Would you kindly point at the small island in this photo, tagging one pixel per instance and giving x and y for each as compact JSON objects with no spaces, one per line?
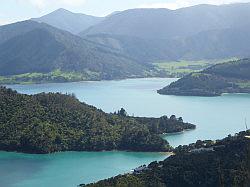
{"x":204,"y":163}
{"x":53,"y":122}
{"x":230,"y":77}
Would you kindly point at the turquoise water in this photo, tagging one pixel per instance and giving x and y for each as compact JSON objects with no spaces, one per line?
{"x":67,"y":169}
{"x":215,"y":118}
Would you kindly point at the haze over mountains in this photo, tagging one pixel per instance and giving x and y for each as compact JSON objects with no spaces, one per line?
{"x":193,"y":33}
{"x":171,"y":24}
{"x":124,"y":44}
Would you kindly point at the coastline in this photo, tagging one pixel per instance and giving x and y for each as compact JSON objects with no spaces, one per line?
{"x":83,"y":81}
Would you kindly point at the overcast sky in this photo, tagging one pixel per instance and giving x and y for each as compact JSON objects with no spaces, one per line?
{"x":16,"y":10}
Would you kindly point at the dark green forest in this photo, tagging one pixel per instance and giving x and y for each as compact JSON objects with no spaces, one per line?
{"x":46,"y":123}
{"x":229,"y":77}
{"x":206,"y":163}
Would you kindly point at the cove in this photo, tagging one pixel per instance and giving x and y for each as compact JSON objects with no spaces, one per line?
{"x":69,"y":168}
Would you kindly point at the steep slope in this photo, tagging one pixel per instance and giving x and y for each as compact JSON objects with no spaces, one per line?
{"x":215,"y":44}
{"x":145,"y":50}
{"x":46,"y":123}
{"x":230,"y":77}
{"x":169,"y":24}
{"x":211,"y":44}
{"x":224,"y":163}
{"x":40,"y":48}
{"x":12,"y":30}
{"x":69,"y":21}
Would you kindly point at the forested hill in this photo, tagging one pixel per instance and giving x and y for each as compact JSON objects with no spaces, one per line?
{"x":230,"y":77}
{"x":33,"y":52}
{"x":46,"y":123}
{"x":206,"y":163}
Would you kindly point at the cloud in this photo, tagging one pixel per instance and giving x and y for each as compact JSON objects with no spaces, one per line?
{"x":175,"y":4}
{"x":42,"y":4}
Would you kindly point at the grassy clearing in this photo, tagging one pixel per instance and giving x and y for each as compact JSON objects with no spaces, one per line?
{"x":55,"y":76}
{"x":182,"y":68}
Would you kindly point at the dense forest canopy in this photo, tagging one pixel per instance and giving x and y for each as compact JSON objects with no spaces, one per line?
{"x":46,"y":123}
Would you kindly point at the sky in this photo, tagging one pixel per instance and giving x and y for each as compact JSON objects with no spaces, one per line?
{"x":17,"y":10}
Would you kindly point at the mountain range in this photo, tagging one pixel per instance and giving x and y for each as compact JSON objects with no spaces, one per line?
{"x":193,"y":33}
{"x":171,"y":24}
{"x":121,"y":45}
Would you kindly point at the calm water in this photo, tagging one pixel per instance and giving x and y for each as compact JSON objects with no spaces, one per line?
{"x":67,"y":169}
{"x":215,"y":118}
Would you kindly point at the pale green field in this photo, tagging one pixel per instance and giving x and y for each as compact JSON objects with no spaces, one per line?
{"x":182,"y":68}
{"x":55,"y":76}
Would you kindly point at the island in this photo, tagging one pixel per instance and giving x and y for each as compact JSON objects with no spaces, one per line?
{"x":53,"y":122}
{"x":223,"y":162}
{"x":229,"y":77}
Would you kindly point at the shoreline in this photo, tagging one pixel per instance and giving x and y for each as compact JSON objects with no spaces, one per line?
{"x":104,"y":151}
{"x":86,"y":81}
{"x":62,"y":152}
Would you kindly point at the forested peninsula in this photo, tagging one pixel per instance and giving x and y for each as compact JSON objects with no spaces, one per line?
{"x":223,"y":162}
{"x":52,"y":122}
{"x":229,"y":77}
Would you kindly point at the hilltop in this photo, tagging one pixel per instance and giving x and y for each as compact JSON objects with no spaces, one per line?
{"x":69,"y":21}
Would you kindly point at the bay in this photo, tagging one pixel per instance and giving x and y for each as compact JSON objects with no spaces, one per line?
{"x":215,"y":118}
{"x":69,"y":168}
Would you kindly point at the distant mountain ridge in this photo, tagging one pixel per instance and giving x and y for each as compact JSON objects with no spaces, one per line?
{"x":192,"y":33}
{"x":172,"y":24}
{"x":69,"y":21}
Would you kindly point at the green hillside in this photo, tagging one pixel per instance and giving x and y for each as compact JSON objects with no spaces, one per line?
{"x":46,"y":123}
{"x":230,"y":77}
{"x":30,"y":47}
